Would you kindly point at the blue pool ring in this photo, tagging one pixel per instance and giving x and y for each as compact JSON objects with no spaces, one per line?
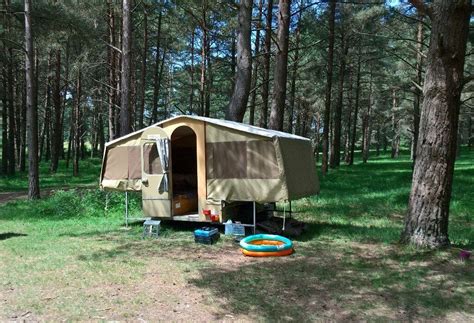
{"x":246,"y":243}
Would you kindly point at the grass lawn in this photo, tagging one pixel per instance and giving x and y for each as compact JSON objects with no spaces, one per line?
{"x":69,"y":257}
{"x":89,"y":170}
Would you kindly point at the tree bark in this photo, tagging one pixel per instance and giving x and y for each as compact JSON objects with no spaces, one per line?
{"x":347,"y":139}
{"x":204,"y":41}
{"x":112,"y":63}
{"x":395,"y":127}
{"x":294,"y":74}
{"x":243,"y":74}
{"x":426,"y":223}
{"x":366,"y":124}
{"x":191,"y":92}
{"x":141,"y":111}
{"x":76,"y":143}
{"x":125,"y":121}
{"x":418,"y":80}
{"x":266,"y":66}
{"x":5,"y":123}
{"x":256,"y":64}
{"x":335,"y":157}
{"x":31,"y":109}
{"x":56,"y":142}
{"x":327,"y":102}
{"x":281,"y":67}
{"x":157,"y":72}
{"x":45,"y":133}
{"x":356,"y":110}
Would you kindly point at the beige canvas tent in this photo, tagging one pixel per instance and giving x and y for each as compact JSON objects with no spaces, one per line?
{"x":187,"y":166}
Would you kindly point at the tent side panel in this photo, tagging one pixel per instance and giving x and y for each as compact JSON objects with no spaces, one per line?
{"x":299,"y":167}
{"x":232,"y":189}
{"x":242,"y":167}
{"x":121,"y":167}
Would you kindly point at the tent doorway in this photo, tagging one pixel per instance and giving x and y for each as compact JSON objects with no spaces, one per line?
{"x":184,"y":172}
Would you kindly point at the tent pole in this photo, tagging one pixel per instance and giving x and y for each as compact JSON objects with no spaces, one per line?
{"x":254,"y":217}
{"x":126,"y":209}
{"x":291,"y":210}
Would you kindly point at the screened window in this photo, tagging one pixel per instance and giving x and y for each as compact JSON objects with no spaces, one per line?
{"x":151,"y":159}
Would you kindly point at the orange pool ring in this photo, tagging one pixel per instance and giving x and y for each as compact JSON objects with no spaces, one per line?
{"x":267,"y":254}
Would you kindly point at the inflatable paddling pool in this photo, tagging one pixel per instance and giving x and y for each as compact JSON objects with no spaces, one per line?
{"x":266,"y":245}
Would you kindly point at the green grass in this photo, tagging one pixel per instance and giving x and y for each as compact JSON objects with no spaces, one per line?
{"x":70,"y":257}
{"x":89,"y":170}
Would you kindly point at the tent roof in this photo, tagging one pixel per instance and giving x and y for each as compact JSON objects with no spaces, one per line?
{"x":223,"y":123}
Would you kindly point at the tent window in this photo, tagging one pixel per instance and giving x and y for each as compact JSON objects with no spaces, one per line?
{"x":151,"y":159}
{"x":116,"y":166}
{"x":242,"y":159}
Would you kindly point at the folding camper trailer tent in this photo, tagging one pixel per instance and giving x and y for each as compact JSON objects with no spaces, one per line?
{"x":188,"y":167}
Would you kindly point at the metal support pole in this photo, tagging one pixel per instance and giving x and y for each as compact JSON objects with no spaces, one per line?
{"x":291,"y":210}
{"x":254,"y":217}
{"x":126,"y":209}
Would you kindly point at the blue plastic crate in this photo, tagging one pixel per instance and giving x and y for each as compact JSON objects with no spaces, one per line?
{"x":235,"y":229}
{"x":205,"y":232}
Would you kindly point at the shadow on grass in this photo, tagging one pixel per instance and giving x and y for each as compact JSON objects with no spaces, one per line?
{"x":331,"y":284}
{"x":8,"y":235}
{"x":350,"y":232}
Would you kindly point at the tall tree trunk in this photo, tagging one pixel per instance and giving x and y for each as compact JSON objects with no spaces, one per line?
{"x":65,"y":99}
{"x":426,"y":223}
{"x":56,"y":142}
{"x":141,"y":111}
{"x":266,"y":66}
{"x":125,"y":121}
{"x":5,"y":123}
{"x":366,"y":124}
{"x":191,"y":77}
{"x":112,"y":63}
{"x":418,"y":80}
{"x":356,"y":110}
{"x":45,"y":133}
{"x":233,"y":60}
{"x":210,"y":79}
{"x":294,"y":73}
{"x":327,"y":103}
{"x":281,"y":67}
{"x":70,"y":140}
{"x":304,"y":120}
{"x":317,"y":138}
{"x":12,"y":126}
{"x":395,"y":127}
{"x":22,"y":123}
{"x":204,"y":41}
{"x":335,"y":157}
{"x":157,"y":72}
{"x":118,"y":81}
{"x":31,"y":109}
{"x":256,"y":63}
{"x":347,"y":137}
{"x":243,"y":74}
{"x":11,"y":116}
{"x":76,"y":144}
